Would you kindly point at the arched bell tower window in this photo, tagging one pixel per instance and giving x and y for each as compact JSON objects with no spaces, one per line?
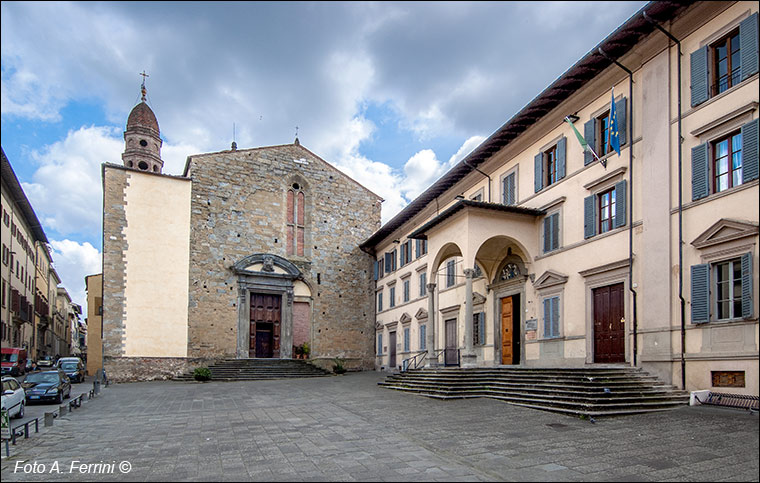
{"x":295,"y":220}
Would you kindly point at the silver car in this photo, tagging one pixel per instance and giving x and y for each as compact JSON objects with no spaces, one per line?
{"x":13,"y":398}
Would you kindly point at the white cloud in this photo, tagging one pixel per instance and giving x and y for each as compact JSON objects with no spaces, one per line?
{"x":73,"y":261}
{"x":66,"y":190}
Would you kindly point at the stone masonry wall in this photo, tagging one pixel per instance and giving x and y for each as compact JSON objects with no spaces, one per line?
{"x":114,"y":269}
{"x":239,"y":208}
{"x":132,"y":369}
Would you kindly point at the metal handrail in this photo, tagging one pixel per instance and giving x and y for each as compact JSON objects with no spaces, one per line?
{"x":412,"y":361}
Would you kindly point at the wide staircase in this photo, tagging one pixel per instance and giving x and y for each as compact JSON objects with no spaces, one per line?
{"x":583,"y":392}
{"x":259,"y":369}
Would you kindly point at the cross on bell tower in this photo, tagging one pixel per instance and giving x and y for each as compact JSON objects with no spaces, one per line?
{"x":143,"y":90}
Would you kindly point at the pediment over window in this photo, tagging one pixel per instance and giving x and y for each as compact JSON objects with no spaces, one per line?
{"x":378,"y":325}
{"x":550,"y":278}
{"x":421,"y":314}
{"x":405,"y":318}
{"x":478,"y":299}
{"x":392,"y":325}
{"x":266,"y":264}
{"x":725,"y":230}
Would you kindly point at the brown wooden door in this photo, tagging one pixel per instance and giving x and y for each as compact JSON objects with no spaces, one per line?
{"x":392,"y":350}
{"x":450,"y":356}
{"x":266,"y":316}
{"x":609,"y":324}
{"x":507,"y":331}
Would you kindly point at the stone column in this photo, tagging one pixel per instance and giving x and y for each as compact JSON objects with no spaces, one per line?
{"x":430,"y":360}
{"x":468,"y":355}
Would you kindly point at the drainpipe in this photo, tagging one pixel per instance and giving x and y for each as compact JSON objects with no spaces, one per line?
{"x":630,"y":205}
{"x":481,"y":172}
{"x":680,"y":206}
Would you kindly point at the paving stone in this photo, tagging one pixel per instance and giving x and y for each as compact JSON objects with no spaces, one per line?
{"x":352,"y":430}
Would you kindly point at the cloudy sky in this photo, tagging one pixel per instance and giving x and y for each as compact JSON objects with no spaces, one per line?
{"x":391,"y":93}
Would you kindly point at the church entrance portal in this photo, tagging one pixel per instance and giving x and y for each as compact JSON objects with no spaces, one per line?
{"x":266,"y":316}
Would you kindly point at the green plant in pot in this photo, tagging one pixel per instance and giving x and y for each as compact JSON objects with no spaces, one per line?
{"x":202,"y":374}
{"x":338,"y":367}
{"x":305,"y":350}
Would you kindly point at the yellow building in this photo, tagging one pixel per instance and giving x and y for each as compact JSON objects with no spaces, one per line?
{"x":536,"y":252}
{"x":94,"y":286}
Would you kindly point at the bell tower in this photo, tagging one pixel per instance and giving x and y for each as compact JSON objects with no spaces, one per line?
{"x":142,"y":140}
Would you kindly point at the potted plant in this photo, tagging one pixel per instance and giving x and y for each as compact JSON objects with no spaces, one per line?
{"x":202,"y":374}
{"x":297,"y":352}
{"x":305,"y":350}
{"x":338,"y":367}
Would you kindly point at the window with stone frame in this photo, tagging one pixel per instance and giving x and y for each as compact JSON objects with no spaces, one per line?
{"x":380,"y":301}
{"x":407,"y":290}
{"x":423,"y":284}
{"x":379,"y":344}
{"x":421,"y":247}
{"x":392,"y":297}
{"x":423,"y":335}
{"x":295,"y":220}
{"x":728,"y":289}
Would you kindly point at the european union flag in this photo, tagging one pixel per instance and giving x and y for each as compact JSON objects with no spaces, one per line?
{"x":614,"y":133}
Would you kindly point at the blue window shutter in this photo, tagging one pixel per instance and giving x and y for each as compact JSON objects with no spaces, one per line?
{"x":482,"y":328}
{"x":406,"y":340}
{"x":750,"y":139}
{"x":620,"y":201}
{"x":555,"y":316}
{"x":555,"y":231}
{"x":589,"y":133}
{"x":403,"y":256}
{"x":748,"y":45}
{"x":375,"y":267}
{"x":747,"y":302}
{"x":417,"y":248}
{"x":547,"y":317}
{"x":700,"y":82}
{"x":621,"y":117}
{"x":547,"y":234}
{"x":589,"y":216}
{"x":379,"y":344}
{"x":700,"y":293}
{"x":422,"y":337}
{"x":511,"y":193}
{"x":561,"y":156}
{"x":538,"y":163}
{"x":700,"y":176}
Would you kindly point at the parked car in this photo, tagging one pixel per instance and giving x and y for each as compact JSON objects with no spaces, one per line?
{"x":13,"y":361}
{"x":13,"y":398}
{"x":73,"y":368}
{"x":67,"y":359}
{"x":47,"y":386}
{"x":45,"y":362}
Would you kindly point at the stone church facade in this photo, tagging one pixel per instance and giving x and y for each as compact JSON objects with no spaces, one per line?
{"x":249,"y":253}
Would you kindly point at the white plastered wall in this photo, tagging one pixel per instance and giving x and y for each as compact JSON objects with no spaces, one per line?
{"x":157,"y":265}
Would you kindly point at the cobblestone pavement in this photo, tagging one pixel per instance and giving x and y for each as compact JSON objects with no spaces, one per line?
{"x":346,"y":428}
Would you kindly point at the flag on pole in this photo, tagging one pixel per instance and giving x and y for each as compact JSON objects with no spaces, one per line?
{"x":581,"y":140}
{"x":614,"y":133}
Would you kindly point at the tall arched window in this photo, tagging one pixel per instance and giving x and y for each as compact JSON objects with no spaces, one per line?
{"x":296,"y":201}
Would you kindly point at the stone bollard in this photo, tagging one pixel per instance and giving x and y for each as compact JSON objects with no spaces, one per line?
{"x":49,"y":418}
{"x":63,"y":409}
{"x":96,"y":386}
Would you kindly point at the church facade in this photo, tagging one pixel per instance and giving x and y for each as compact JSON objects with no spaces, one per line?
{"x":249,"y":253}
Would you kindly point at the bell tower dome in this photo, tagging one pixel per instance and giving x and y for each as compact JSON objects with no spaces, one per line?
{"x":142,"y":140}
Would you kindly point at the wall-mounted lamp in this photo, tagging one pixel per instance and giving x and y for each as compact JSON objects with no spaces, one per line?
{"x":572,"y":118}
{"x":396,"y":241}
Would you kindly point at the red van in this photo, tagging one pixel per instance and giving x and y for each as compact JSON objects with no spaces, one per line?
{"x":14,"y":361}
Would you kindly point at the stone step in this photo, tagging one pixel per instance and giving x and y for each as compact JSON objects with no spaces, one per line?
{"x":259,"y":369}
{"x":566,"y":390}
